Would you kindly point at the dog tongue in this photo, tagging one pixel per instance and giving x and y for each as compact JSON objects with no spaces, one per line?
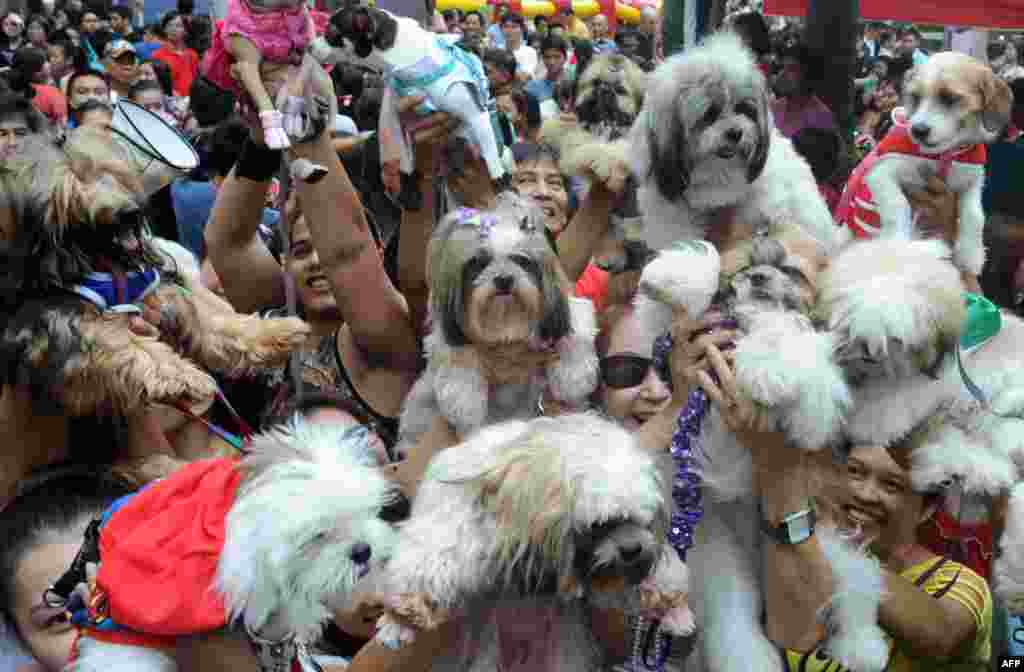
{"x":527,"y":638}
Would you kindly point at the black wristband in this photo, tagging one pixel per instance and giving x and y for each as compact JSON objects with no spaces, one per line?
{"x":257,"y":162}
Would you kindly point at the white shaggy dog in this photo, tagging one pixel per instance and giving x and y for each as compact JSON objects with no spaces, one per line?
{"x":787,"y":367}
{"x":955,"y":105}
{"x":518,"y":530}
{"x":302,"y":529}
{"x":705,"y":148}
{"x":899,"y":311}
{"x":504,"y":333}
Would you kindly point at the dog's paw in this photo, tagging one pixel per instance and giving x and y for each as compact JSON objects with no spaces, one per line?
{"x":865,"y":649}
{"x":179,"y":384}
{"x":275,"y":339}
{"x":683,"y":276}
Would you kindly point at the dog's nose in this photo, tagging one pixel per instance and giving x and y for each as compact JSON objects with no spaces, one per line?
{"x":360,"y":553}
{"x":734,"y":135}
{"x":920,"y":131}
{"x":503,"y":283}
{"x":630,"y":552}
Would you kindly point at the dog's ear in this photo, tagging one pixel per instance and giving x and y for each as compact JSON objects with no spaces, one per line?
{"x":557,"y":320}
{"x":997,"y":104}
{"x":670,"y":153}
{"x":386,"y":30}
{"x":765,"y":124}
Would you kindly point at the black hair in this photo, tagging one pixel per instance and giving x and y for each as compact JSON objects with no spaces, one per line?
{"x":55,"y":508}
{"x":821,"y":148}
{"x":186,"y":6}
{"x":27,"y":62}
{"x":209,"y":103}
{"x":512,"y":17}
{"x":14,"y":105}
{"x":554,"y":42}
{"x":910,"y":30}
{"x":167,"y":18}
{"x":540,"y":19}
{"x":450,"y":15}
{"x":812,"y":67}
{"x":225,"y":146}
{"x":122,"y":11}
{"x":42,"y":21}
{"x":142,"y":86}
{"x":78,"y":74}
{"x":501,"y":59}
{"x":163,"y":75}
{"x":473,"y":12}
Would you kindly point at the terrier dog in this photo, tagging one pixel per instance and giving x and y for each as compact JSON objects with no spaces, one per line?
{"x":79,"y":265}
{"x":504,"y":335}
{"x":955,"y":106}
{"x":705,"y":148}
{"x":786,"y":366}
{"x":517,"y":531}
{"x":285,"y":535}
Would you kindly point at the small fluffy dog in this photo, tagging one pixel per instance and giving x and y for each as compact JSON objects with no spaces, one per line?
{"x":519,"y":530}
{"x":504,"y":335}
{"x":898,"y":311}
{"x":787,"y":367}
{"x":955,"y":105}
{"x":609,"y":95}
{"x":416,"y":61}
{"x":286,"y":534}
{"x":705,"y":148}
{"x":79,"y":266}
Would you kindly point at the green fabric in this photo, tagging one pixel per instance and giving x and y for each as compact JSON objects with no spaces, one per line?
{"x":983,"y":321}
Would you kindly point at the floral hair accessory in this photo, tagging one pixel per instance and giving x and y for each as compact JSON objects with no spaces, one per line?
{"x":483,"y":222}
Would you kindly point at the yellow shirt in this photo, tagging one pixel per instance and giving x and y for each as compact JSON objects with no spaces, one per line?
{"x":954,"y":582}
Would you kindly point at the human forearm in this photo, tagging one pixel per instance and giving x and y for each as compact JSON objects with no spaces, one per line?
{"x":921,"y":623}
{"x":656,"y":434}
{"x":413,"y":241}
{"x":580,"y":239}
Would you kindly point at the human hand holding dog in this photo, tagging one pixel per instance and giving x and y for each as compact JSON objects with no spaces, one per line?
{"x":938,"y":208}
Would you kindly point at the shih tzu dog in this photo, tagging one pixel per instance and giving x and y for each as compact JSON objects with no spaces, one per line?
{"x":518,"y":531}
{"x":416,"y":61}
{"x":787,"y":367}
{"x":928,"y":382}
{"x":705,"y":149}
{"x":608,"y":98}
{"x":280,"y":541}
{"x":955,"y":106}
{"x":79,"y":265}
{"x":504,"y":334}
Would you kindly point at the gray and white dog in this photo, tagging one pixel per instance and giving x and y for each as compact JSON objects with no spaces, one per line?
{"x":504,"y":334}
{"x":518,"y":531}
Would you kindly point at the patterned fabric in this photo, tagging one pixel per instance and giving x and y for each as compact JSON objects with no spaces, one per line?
{"x":105,"y":292}
{"x":949,"y":581}
{"x":282,"y":36}
{"x":446,"y":63}
{"x":857,"y":208}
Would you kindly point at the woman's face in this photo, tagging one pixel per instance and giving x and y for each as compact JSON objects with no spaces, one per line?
{"x":311,"y":284}
{"x":335,"y":416}
{"x":147,"y":73}
{"x":13,"y":132}
{"x":637,"y":392}
{"x":542,"y":182}
{"x":876,"y":496}
{"x":36,"y":34}
{"x":471,"y":24}
{"x":175,"y":30}
{"x":90,"y":23}
{"x":48,"y":635}
{"x":13,"y":26}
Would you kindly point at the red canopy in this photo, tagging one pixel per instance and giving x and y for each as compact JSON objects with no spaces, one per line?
{"x":978,"y":13}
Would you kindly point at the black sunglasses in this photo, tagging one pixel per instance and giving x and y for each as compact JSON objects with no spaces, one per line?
{"x":623,"y":371}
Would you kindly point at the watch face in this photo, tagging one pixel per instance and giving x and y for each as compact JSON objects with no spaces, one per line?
{"x":799,"y":529}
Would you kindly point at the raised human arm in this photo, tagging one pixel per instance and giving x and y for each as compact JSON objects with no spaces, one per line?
{"x":579,"y":241}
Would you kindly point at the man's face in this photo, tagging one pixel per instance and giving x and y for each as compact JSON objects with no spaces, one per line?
{"x":55,"y":55}
{"x":100,"y":119}
{"x":151,"y":100}
{"x":118,"y":24}
{"x":599,"y":27}
{"x":908,"y":44}
{"x":88,"y":88}
{"x":540,"y":181}
{"x":12,"y":133}
{"x":123,"y":69}
{"x":648,"y":23}
{"x":513,"y":33}
{"x":497,"y":79}
{"x":471,"y":24}
{"x":554,"y":61}
{"x":90,"y":23}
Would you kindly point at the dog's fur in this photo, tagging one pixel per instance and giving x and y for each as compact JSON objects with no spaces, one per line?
{"x":705,"y":144}
{"x":541,"y":518}
{"x":304,"y":528}
{"x":787,"y":367}
{"x":74,"y":209}
{"x":897,"y":309}
{"x":492,"y":353}
{"x":953,"y":102}
{"x":394,"y":43}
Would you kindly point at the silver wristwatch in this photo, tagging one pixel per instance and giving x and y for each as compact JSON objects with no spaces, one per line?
{"x":794,"y":529}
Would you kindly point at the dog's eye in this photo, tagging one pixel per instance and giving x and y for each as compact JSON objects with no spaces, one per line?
{"x":711,"y":115}
{"x":747,"y":110}
{"x":476,"y":265}
{"x":948,"y":99}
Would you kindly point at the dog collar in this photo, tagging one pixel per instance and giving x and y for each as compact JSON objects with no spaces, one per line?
{"x":117,"y":293}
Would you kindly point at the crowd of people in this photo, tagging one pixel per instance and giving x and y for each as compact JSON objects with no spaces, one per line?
{"x":355,"y":258}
